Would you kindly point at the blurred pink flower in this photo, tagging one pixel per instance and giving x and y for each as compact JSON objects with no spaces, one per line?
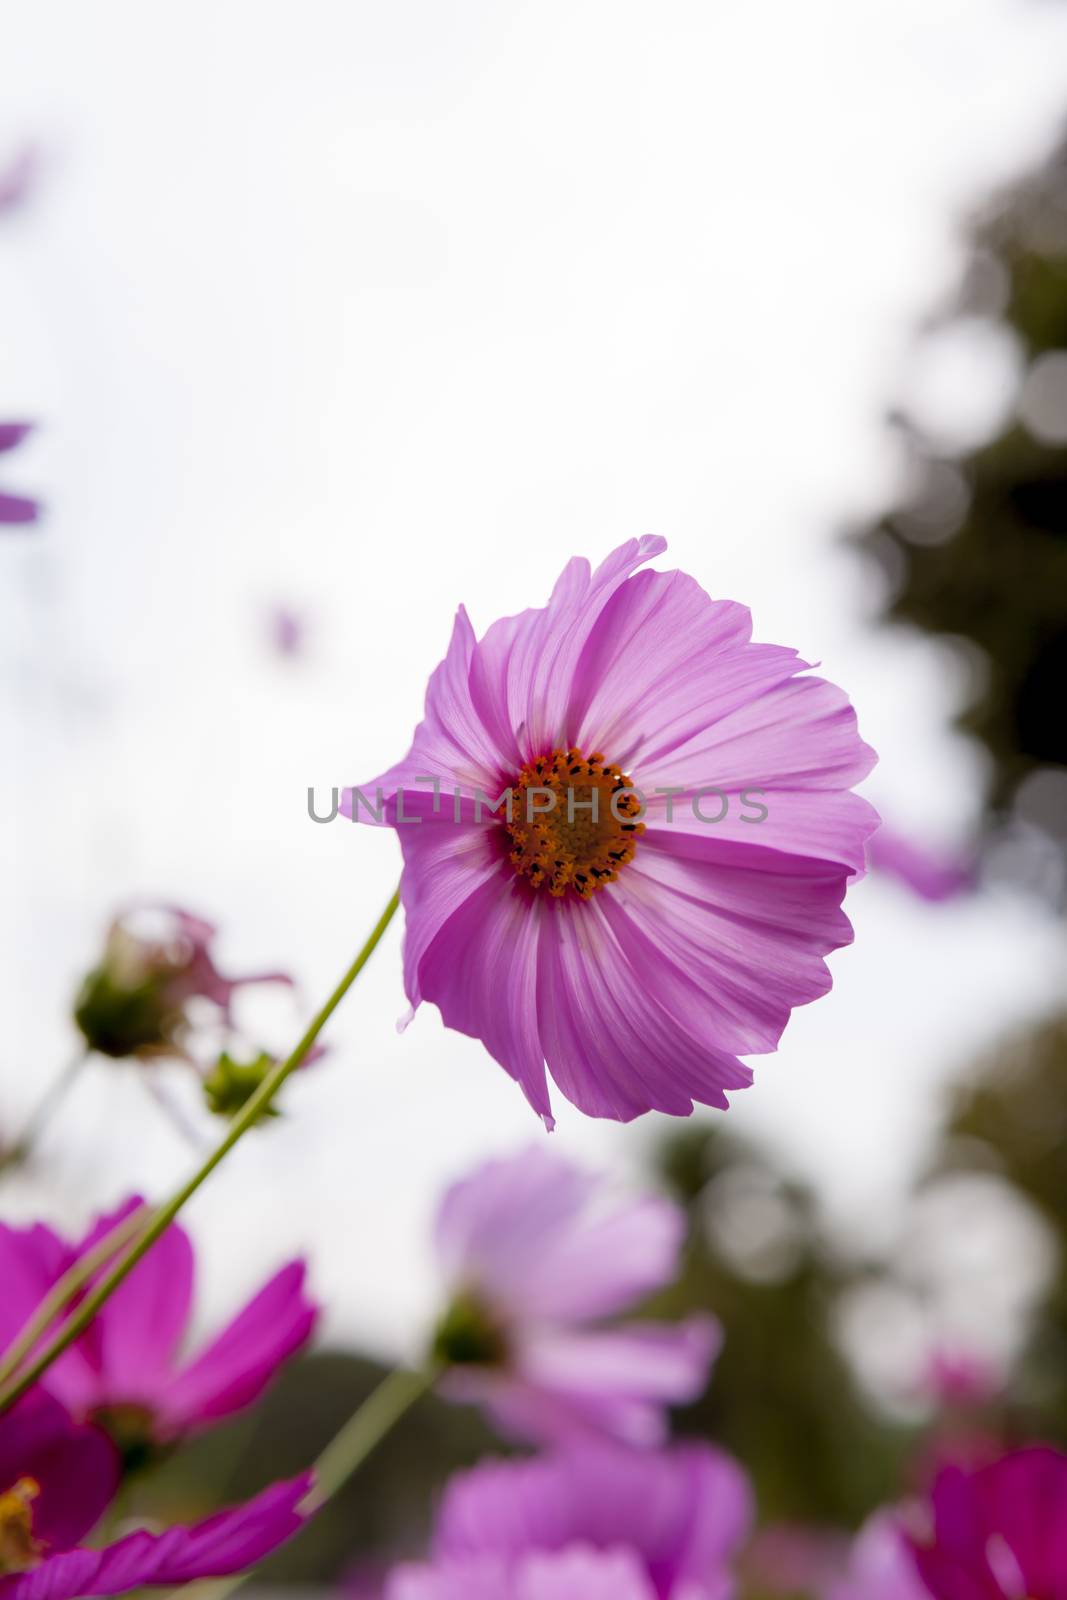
{"x":127,"y":1373}
{"x":156,"y":961}
{"x":288,"y":630}
{"x":960,"y":1379}
{"x":577,"y":1574}
{"x":638,"y":954}
{"x":931,"y":874}
{"x":538,"y":1256}
{"x":880,"y":1565}
{"x":57,"y":1480}
{"x":678,"y":1516}
{"x":15,"y":509}
{"x":17,"y":177}
{"x":998,"y":1530}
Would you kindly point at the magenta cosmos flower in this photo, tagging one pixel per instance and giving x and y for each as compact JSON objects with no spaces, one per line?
{"x":677,"y":1516}
{"x":537,"y":1256}
{"x":157,"y":961}
{"x":57,"y":1480}
{"x":127,"y":1373}
{"x":999,"y":1531}
{"x":638,"y":951}
{"x":15,"y":508}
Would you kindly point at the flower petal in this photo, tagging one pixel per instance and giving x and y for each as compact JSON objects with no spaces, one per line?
{"x":133,"y":1340}
{"x":452,"y":743}
{"x":16,"y":510}
{"x":576,"y":1574}
{"x":683,"y":1511}
{"x":13,"y":433}
{"x":494,"y":1225}
{"x":730,"y":949}
{"x":797,"y":734}
{"x":237,"y":1365}
{"x":481,"y":972}
{"x":223,"y":1544}
{"x":75,"y":1467}
{"x":613,"y":1046}
{"x":615,"y":1382}
{"x":526,"y":666}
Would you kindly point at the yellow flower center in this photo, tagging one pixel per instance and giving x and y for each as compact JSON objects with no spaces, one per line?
{"x":19,"y":1550}
{"x":573,"y":822}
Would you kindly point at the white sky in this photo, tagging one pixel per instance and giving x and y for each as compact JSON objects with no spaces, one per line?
{"x":380,"y":307}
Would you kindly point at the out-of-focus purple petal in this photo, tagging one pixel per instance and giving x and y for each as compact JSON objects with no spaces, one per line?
{"x":880,"y":1565}
{"x":17,"y":178}
{"x":16,"y":511}
{"x":577,"y":1574}
{"x":615,"y":1382}
{"x":931,"y":874}
{"x":13,"y":433}
{"x":683,"y":1512}
{"x":545,"y":1250}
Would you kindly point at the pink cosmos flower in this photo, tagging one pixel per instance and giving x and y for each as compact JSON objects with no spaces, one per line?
{"x":637,"y":952}
{"x":56,"y":1481}
{"x":999,"y":1531}
{"x":537,"y":1256}
{"x":678,"y":1516}
{"x":15,"y":508}
{"x":127,"y":1372}
{"x":157,"y":960}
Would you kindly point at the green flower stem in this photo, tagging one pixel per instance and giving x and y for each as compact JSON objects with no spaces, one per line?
{"x":344,"y":1455}
{"x":366,"y":1428}
{"x":161,"y":1219}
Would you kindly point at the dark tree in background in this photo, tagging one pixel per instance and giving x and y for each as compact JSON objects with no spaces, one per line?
{"x":979,"y":550}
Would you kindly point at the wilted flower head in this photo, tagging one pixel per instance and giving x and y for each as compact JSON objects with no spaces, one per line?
{"x":127,"y":1373}
{"x":15,"y":508}
{"x":537,"y":1256}
{"x":156,"y":961}
{"x":669,"y":876}
{"x":56,"y":1481}
{"x":677,"y":1516}
{"x":998,"y":1530}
